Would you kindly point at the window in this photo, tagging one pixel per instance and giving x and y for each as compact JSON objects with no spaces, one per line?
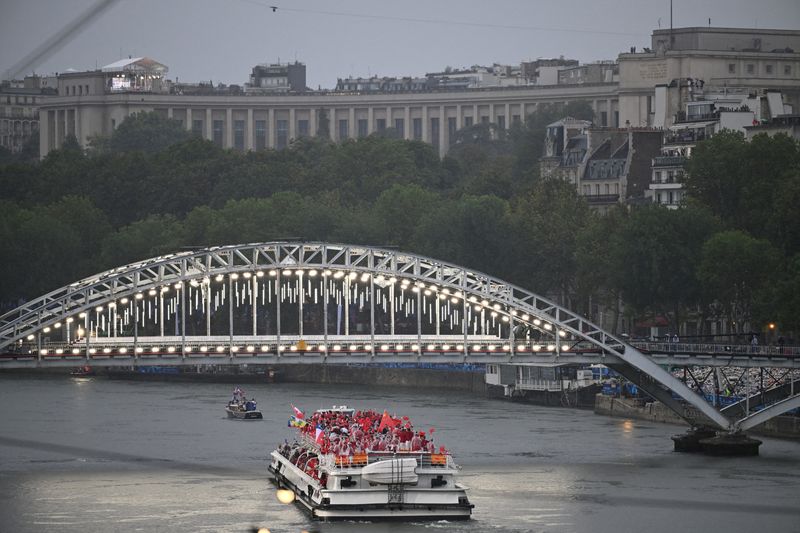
{"x":113,"y":124}
{"x":400,"y":126}
{"x":658,"y":197}
{"x":238,"y":134}
{"x":501,"y":122}
{"x":670,"y":176}
{"x":787,"y":70}
{"x":302,"y":128}
{"x":515,"y":119}
{"x":417,"y":127}
{"x":608,"y":188}
{"x":282,"y":134}
{"x":218,"y":135}
{"x":87,"y":90}
{"x":658,"y":177}
{"x":451,"y":128}
{"x":343,"y":129}
{"x":669,"y":197}
{"x":768,"y":69}
{"x":603,"y":118}
{"x":484,"y":119}
{"x":731,"y":70}
{"x":616,"y":119}
{"x":467,"y":122}
{"x":380,"y":124}
{"x":435,"y":131}
{"x":362,"y":127}
{"x":197,"y":127}
{"x":80,"y":93}
{"x":751,"y":68}
{"x":261,"y":134}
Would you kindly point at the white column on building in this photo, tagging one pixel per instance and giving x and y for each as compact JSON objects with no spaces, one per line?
{"x":609,"y":118}
{"x":333,"y":127}
{"x":292,"y":125}
{"x":169,"y":112}
{"x":188,"y":119}
{"x":250,"y":144}
{"x":351,"y":124}
{"x":312,"y":122}
{"x":442,"y":131}
{"x":407,"y":124}
{"x":59,"y":128}
{"x":370,"y":120}
{"x":78,"y":126}
{"x":389,"y":117}
{"x":508,"y":115}
{"x":476,"y":118}
{"x":209,"y":125}
{"x":459,"y":117}
{"x":425,"y":136}
{"x":271,"y":133}
{"x":229,"y":128}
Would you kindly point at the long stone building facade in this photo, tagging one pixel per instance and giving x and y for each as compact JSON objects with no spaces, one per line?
{"x":88,"y":105}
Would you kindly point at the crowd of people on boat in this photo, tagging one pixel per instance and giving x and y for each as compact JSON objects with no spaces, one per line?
{"x":347,"y":433}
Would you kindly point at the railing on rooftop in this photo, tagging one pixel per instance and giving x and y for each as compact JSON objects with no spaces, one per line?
{"x":669,"y":161}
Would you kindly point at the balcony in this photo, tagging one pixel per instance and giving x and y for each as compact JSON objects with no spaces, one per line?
{"x":686,"y":137}
{"x":602,"y":198}
{"x":669,"y":161}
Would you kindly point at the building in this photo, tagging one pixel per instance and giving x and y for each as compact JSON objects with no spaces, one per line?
{"x":787,"y":124}
{"x":91,"y":103}
{"x":715,"y":59}
{"x":544,"y":71}
{"x":704,"y":113}
{"x":19,"y":109}
{"x":565,"y":148}
{"x":599,"y":72}
{"x":277,"y":78}
{"x":381,"y":85}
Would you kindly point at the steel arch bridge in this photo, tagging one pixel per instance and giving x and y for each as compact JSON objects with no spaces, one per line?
{"x":305,"y":302}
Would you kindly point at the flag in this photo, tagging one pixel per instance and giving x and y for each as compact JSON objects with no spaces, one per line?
{"x":297,"y":412}
{"x":295,"y":422}
{"x":319,"y":434}
{"x":387,"y":421}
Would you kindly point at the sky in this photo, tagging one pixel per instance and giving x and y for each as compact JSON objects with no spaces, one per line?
{"x":221,"y":40}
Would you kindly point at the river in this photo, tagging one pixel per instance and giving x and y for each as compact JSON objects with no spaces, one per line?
{"x":91,"y":455}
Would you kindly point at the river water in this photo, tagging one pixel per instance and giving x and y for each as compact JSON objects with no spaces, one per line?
{"x":91,"y":455}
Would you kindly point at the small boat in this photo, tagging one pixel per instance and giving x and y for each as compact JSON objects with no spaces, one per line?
{"x":83,"y":371}
{"x":330,"y":473}
{"x":242,"y":408}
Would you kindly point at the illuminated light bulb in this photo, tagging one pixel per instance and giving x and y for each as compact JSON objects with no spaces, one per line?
{"x":550,"y":347}
{"x":234,"y":276}
{"x":384,"y":347}
{"x":285,"y":496}
{"x":336,"y":347}
{"x":536,"y":322}
{"x":251,"y":348}
{"x":431,"y":347}
{"x":265,"y":348}
{"x":260,"y":274}
{"x":247,"y":275}
{"x":415,"y":347}
{"x":312,"y":273}
{"x":273,"y":273}
{"x":564,"y":347}
{"x":562,"y":333}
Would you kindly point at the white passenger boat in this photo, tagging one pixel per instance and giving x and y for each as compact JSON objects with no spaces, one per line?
{"x":405,"y":484}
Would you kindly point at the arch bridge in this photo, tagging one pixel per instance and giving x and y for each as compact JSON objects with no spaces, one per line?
{"x":303,"y":302}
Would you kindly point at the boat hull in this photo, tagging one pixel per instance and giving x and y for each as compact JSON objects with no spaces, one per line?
{"x":244,"y":415}
{"x":393,"y":502}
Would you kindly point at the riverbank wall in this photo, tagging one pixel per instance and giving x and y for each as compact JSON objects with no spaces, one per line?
{"x":785,"y":427}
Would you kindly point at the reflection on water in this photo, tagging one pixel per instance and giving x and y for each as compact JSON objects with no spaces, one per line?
{"x":80,"y":455}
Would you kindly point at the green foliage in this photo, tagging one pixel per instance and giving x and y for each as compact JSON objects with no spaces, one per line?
{"x":142,"y":132}
{"x":738,"y":270}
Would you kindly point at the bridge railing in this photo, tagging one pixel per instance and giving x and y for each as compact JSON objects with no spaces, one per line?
{"x":710,"y":348}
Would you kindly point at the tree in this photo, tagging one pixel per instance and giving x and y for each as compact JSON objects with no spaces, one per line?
{"x":144,"y":132}
{"x":736,"y":270}
{"x":545,"y":224}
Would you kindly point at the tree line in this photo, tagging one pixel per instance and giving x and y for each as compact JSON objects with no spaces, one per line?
{"x":732,"y":252}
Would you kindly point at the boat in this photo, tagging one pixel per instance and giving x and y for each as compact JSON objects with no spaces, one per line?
{"x":83,"y":371}
{"x":242,"y":408}
{"x":361,"y":465}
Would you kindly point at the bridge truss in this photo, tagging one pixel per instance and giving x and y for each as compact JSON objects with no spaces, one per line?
{"x":302,"y":302}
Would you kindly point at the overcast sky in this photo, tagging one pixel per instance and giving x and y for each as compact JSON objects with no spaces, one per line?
{"x":221,"y":40}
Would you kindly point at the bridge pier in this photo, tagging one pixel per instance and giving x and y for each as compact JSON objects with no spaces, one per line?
{"x":722,"y":444}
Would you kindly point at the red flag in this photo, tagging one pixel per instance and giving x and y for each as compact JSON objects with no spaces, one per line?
{"x":387,"y":421}
{"x":297,"y":412}
{"x":431,"y":430}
